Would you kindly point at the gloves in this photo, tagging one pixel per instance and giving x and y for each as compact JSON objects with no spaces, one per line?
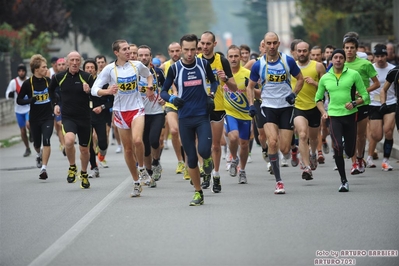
{"x":291,"y":98}
{"x":210,"y":105}
{"x":176,"y":101}
{"x":383,"y":109}
{"x":252,"y":111}
{"x":33,"y":100}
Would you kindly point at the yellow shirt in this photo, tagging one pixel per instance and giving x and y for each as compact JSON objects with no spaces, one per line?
{"x":305,"y":98}
{"x":167,"y":66}
{"x":216,"y":65}
{"x":236,"y":103}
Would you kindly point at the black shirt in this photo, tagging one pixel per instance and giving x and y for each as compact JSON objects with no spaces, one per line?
{"x":41,"y":109}
{"x":75,"y":101}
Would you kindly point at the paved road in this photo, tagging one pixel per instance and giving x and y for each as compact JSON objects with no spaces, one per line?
{"x":56,"y":223}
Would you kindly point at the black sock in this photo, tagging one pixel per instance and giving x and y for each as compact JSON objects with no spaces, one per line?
{"x":72,"y":166}
{"x":83,"y":172}
{"x":149,"y":171}
{"x":155,"y":162}
{"x":388,"y":143}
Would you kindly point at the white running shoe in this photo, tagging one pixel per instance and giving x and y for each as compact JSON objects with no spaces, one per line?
{"x":284,"y":162}
{"x":370,"y":163}
{"x":119,"y":149}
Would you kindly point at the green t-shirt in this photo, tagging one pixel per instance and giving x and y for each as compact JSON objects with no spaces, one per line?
{"x":341,"y":91}
{"x":365,"y":69}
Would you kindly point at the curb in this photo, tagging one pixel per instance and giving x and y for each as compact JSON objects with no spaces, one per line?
{"x":9,"y":142}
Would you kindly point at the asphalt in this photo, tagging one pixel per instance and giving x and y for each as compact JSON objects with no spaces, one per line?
{"x":9,"y":134}
{"x":55,"y":223}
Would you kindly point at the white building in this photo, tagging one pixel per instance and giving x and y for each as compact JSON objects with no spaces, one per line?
{"x":281,"y":17}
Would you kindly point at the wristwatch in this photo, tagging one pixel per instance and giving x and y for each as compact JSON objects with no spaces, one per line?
{"x":354,"y":104}
{"x":226,"y":79}
{"x":103,"y":106}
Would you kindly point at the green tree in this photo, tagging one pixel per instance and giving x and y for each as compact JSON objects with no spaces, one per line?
{"x":45,"y":15}
{"x":327,"y":21}
{"x":199,"y":16}
{"x":255,"y":12}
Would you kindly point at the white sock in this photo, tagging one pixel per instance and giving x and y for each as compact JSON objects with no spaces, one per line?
{"x":44,"y":166}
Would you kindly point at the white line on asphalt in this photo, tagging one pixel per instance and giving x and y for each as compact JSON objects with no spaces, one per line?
{"x":66,"y":239}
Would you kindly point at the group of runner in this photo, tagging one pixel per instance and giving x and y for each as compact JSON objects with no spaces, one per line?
{"x":207,"y":100}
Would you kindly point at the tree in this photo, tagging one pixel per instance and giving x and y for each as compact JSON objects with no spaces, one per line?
{"x":48,"y":15}
{"x":255,"y":12}
{"x":326,"y":21}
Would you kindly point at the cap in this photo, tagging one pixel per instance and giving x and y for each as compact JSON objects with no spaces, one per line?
{"x":54,"y":59}
{"x":380,"y":49}
{"x":156,"y":62}
{"x":61,"y":60}
{"x":338,"y":51}
{"x":21,"y":67}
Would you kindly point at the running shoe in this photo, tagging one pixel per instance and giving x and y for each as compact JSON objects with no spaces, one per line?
{"x":249,"y":160}
{"x":386,"y":166}
{"x":94,"y":172}
{"x":284,"y":160}
{"x":307,"y":173}
{"x":228,"y":155}
{"x":144,"y":177}
{"x":216,"y":186}
{"x":242,"y":178}
{"x":43,"y":174}
{"x":136,"y":190}
{"x":326,"y":148}
{"x":208,"y":165}
{"x":180,"y":168}
{"x":320,"y":157}
{"x":233,"y":167}
{"x":152,"y":183}
{"x":165,"y":145}
{"x":186,"y":175}
{"x":118,"y":149}
{"x":361,"y":165}
{"x":39,"y":161}
{"x":72,"y":171}
{"x":198,"y":199}
{"x":344,"y":187}
{"x":103,"y":164}
{"x":370,"y":163}
{"x":313,"y":162}
{"x":228,"y":164}
{"x":270,"y":168}
{"x":279,"y":188}
{"x":85,"y":181}
{"x":156,"y":172}
{"x":265,"y":155}
{"x":206,"y":180}
{"x":294,"y":158}
{"x":355,"y":169}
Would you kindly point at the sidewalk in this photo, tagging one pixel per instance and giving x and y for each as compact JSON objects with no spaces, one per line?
{"x":9,"y":134}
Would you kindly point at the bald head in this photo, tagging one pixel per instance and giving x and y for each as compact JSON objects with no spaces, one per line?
{"x":73,"y":61}
{"x":302,"y":52}
{"x":271,"y":44}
